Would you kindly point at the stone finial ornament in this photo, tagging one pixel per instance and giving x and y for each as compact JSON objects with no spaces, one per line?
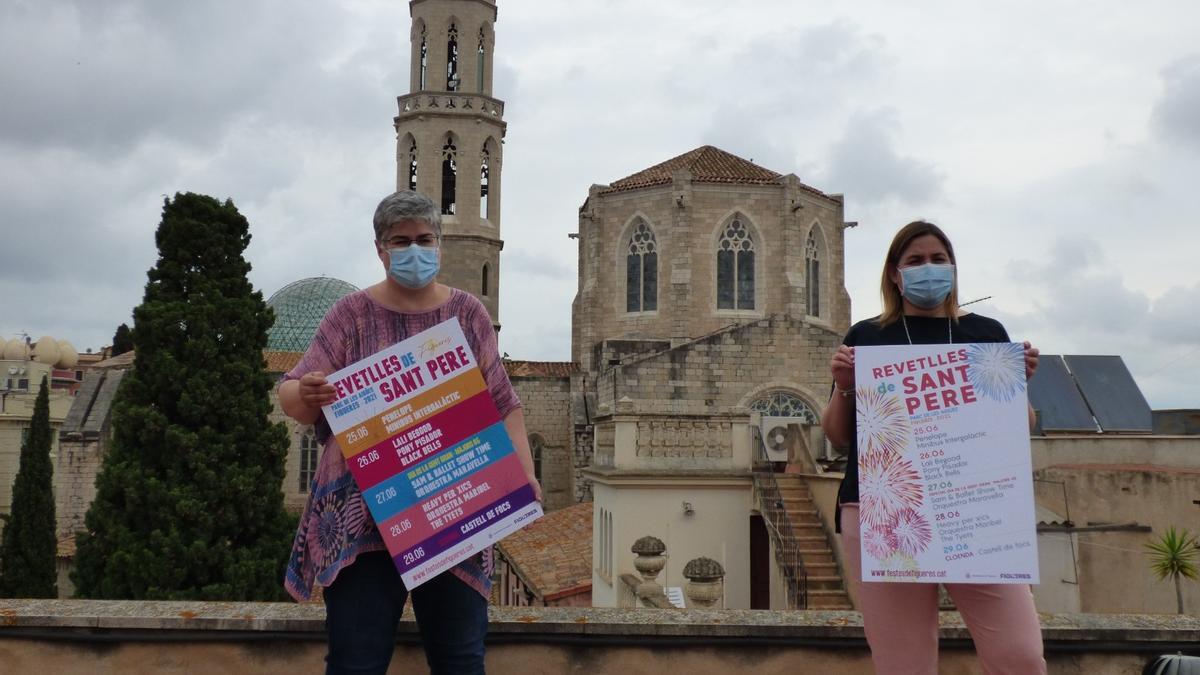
{"x":649,"y":561}
{"x":706,"y":582}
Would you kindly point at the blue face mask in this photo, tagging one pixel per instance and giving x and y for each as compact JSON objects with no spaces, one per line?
{"x":926,"y":286}
{"x":413,"y":266}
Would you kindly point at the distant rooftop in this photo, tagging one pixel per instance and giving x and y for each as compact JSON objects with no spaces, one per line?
{"x":124,"y":360}
{"x":553,"y":556}
{"x":281,"y":362}
{"x":540,"y":368}
{"x":1088,"y":394}
{"x":706,"y":164}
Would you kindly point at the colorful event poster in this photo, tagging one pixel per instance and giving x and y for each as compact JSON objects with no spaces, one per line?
{"x":427,"y":447}
{"x":945,"y":478}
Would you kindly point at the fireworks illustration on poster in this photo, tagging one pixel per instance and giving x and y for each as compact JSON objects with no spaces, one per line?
{"x":997,"y":371}
{"x":911,"y":532}
{"x":883,"y":424}
{"x":888,"y":483}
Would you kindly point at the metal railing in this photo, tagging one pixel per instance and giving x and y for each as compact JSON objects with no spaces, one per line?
{"x":779,"y":525}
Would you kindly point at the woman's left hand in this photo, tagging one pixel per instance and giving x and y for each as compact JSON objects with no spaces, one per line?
{"x":1031,"y":360}
{"x":537,"y":487}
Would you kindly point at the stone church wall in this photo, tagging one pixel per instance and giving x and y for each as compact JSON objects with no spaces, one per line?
{"x":728,"y":370}
{"x":584,"y":444}
{"x":75,"y":481}
{"x":687,"y":220}
{"x":458,"y":272}
{"x":294,"y":496}
{"x":546,"y":403}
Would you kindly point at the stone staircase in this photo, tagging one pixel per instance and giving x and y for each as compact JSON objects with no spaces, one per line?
{"x":826,"y":589}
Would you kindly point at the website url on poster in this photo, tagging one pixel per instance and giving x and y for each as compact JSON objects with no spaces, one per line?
{"x":932,"y":574}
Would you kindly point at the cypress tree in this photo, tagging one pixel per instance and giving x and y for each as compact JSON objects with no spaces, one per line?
{"x":188,"y":501}
{"x":122,"y":340}
{"x":27,"y":566}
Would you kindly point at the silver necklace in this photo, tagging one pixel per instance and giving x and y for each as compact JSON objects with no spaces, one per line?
{"x":949,"y":330}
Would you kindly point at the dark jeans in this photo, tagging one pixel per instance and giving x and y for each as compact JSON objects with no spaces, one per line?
{"x":362,"y":611}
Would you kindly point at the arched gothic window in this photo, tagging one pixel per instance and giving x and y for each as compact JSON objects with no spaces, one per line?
{"x":412,"y":166}
{"x":485,"y":160}
{"x":424,"y":59}
{"x":484,"y":283}
{"x":308,"y":459}
{"x":482,"y":58}
{"x":536,"y":446}
{"x":784,"y":404}
{"x":452,"y":58}
{"x":735,"y":267}
{"x":641,"y":270}
{"x":449,"y":175}
{"x":812,"y":272}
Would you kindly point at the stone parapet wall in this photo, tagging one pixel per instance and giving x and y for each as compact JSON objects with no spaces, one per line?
{"x":633,"y":441}
{"x":102,"y":637}
{"x":1163,"y":451}
{"x":693,"y":439}
{"x":605,"y":435}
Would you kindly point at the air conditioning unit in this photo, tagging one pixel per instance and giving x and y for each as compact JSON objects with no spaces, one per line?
{"x":774,"y":430}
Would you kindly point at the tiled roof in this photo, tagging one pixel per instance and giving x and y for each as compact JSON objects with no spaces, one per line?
{"x":281,"y":362}
{"x":540,"y":368}
{"x":706,"y":164}
{"x":66,"y":546}
{"x":553,"y":556}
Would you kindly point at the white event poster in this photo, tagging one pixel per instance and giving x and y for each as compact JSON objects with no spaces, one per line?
{"x":945,"y":479}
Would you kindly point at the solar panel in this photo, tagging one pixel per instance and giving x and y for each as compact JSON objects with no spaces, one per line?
{"x":1053,"y":394}
{"x":1111,"y":393}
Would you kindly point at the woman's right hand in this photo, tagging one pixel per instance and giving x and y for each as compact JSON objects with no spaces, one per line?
{"x":315,"y":390}
{"x":842,"y":368}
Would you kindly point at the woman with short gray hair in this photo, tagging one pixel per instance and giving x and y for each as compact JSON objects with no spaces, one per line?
{"x":406,"y":205}
{"x":338,"y":545}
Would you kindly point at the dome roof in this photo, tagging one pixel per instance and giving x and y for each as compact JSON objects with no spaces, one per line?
{"x":45,"y":350}
{"x":299,"y":308}
{"x":16,"y":350}
{"x":67,"y":356}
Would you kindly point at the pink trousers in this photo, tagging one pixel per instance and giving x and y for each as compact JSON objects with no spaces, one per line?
{"x":901,"y":619}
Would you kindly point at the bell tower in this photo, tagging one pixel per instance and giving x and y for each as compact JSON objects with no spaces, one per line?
{"x":449,"y":133}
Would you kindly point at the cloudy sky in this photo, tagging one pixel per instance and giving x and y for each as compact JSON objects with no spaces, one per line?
{"x":1058,"y":144}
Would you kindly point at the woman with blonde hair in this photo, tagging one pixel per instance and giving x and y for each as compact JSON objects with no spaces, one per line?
{"x":919,"y":286}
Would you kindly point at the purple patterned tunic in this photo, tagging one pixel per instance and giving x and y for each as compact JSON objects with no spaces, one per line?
{"x":336,"y":525}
